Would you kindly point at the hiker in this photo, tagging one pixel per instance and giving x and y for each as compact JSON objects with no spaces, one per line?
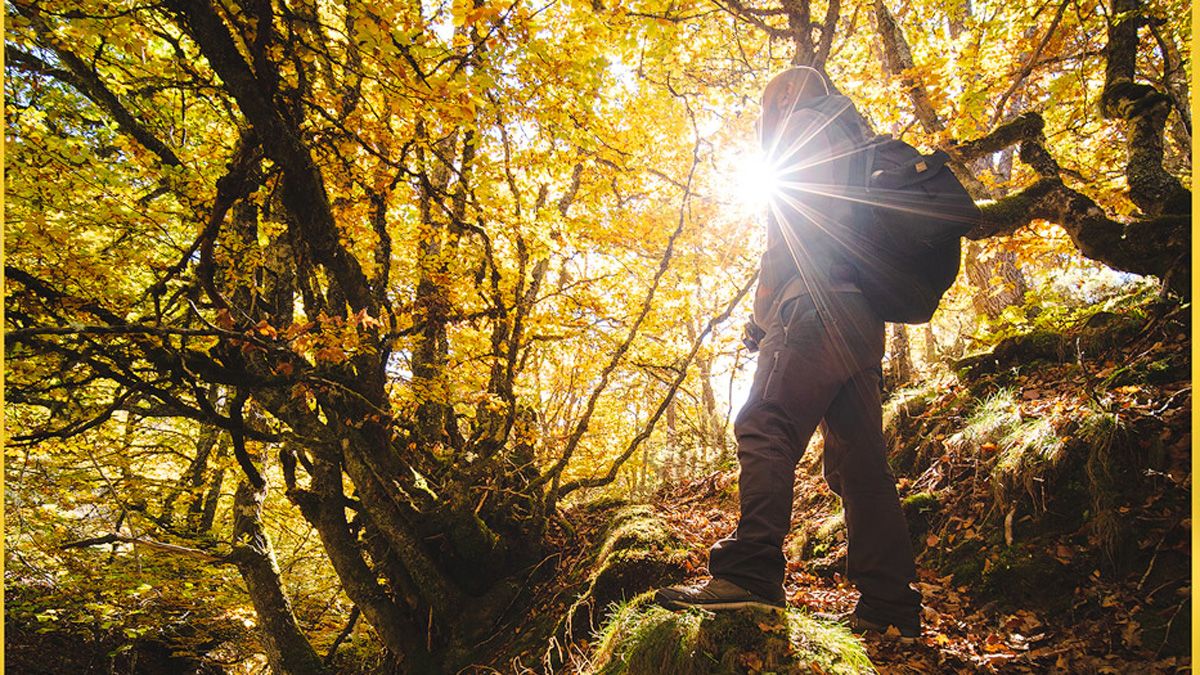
{"x":821,"y":344}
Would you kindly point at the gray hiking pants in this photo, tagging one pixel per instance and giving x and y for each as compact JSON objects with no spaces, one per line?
{"x":820,"y":368}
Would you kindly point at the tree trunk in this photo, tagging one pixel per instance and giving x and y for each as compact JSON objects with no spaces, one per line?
{"x":931,"y":350}
{"x":899,"y":357}
{"x":997,"y":283}
{"x":288,"y":650}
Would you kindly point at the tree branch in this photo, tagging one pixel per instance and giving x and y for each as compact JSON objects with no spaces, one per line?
{"x":645,"y":433}
{"x":196,"y":553}
{"x":304,"y":191}
{"x":87,"y":82}
{"x":1157,"y":246}
{"x":581,"y":426}
{"x":1145,"y":110}
{"x":1030,"y":62}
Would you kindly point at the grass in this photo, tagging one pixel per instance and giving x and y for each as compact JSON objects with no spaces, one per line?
{"x":648,"y":639}
{"x":1026,"y":448}
{"x":1028,"y":451}
{"x":643,"y":639}
{"x":909,"y":401}
{"x":993,"y":419}
{"x":1100,"y":429}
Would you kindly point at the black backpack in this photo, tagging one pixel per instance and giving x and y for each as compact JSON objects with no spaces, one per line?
{"x":910,"y":214}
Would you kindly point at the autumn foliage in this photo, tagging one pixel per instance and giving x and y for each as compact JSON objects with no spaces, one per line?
{"x":321,"y":316}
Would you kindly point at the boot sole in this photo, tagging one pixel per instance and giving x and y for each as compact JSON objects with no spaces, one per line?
{"x":739,"y":604}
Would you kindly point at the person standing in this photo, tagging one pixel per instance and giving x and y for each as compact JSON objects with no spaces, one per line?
{"x":821,"y":346}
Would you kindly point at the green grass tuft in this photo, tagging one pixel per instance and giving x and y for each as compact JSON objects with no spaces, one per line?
{"x":644,"y":639}
{"x":993,"y":419}
{"x":1028,"y":452}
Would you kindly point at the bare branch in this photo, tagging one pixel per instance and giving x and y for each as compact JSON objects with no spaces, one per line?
{"x":114,"y":538}
{"x":581,"y":426}
{"x":1030,"y":62}
{"x":645,"y":433}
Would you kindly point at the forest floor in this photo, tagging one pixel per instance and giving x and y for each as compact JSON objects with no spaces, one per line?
{"x":1048,"y":492}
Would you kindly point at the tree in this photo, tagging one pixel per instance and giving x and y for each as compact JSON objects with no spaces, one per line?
{"x":414,"y":262}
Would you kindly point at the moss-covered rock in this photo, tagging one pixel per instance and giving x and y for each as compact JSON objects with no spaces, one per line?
{"x":1019,"y":350}
{"x":919,"y":509}
{"x":820,"y":544}
{"x":644,"y":639}
{"x":637,"y":553}
{"x":1107,"y":330}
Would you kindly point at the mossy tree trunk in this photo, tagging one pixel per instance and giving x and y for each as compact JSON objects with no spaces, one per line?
{"x":288,"y":649}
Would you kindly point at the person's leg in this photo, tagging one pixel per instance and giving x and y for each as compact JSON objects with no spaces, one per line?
{"x":791,"y":391}
{"x":879,"y":556}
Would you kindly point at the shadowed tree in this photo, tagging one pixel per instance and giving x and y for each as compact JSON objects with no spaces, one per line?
{"x":351,"y":245}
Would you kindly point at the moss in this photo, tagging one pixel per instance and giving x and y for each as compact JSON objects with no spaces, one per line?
{"x":798,"y":544}
{"x":649,"y":640}
{"x":1167,"y":370}
{"x":473,"y":540}
{"x":908,"y":402}
{"x":643,"y":639}
{"x":920,"y":503}
{"x":638,"y":553}
{"x":1104,"y":331}
{"x":825,"y":538}
{"x":963,"y":562}
{"x":918,"y":509}
{"x":1020,"y":576}
{"x":1016,"y":351}
{"x":630,"y":571}
{"x":635,"y":527}
{"x":604,"y":503}
{"x":902,"y":422}
{"x":1171,"y":368}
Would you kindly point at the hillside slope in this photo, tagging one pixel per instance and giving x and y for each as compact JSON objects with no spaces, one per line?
{"x":1047,"y":485}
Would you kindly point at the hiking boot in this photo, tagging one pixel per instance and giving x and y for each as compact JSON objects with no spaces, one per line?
{"x":716,"y":594}
{"x":858,"y":625}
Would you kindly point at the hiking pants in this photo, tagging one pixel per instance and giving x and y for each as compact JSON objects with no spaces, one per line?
{"x":820,"y":368}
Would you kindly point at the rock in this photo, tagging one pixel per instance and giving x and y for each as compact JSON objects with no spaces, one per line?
{"x":644,"y":639}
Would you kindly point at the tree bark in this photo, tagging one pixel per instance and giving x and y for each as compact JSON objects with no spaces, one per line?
{"x":288,"y":650}
{"x":1144,"y":110}
{"x":997,"y":283}
{"x":899,"y":356}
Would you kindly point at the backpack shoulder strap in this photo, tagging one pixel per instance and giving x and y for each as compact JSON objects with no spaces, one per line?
{"x":840,"y":112}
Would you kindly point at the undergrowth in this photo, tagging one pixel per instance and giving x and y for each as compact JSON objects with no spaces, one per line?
{"x":644,"y":639}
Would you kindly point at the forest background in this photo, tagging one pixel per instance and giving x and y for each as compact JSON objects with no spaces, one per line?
{"x":321,"y":317}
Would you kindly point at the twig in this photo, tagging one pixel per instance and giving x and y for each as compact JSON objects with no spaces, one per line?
{"x":354,"y":613}
{"x":1153,"y":559}
{"x":1030,"y":64}
{"x":1167,"y":629}
{"x":553,"y":473}
{"x":649,"y":429}
{"x":149,"y":543}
